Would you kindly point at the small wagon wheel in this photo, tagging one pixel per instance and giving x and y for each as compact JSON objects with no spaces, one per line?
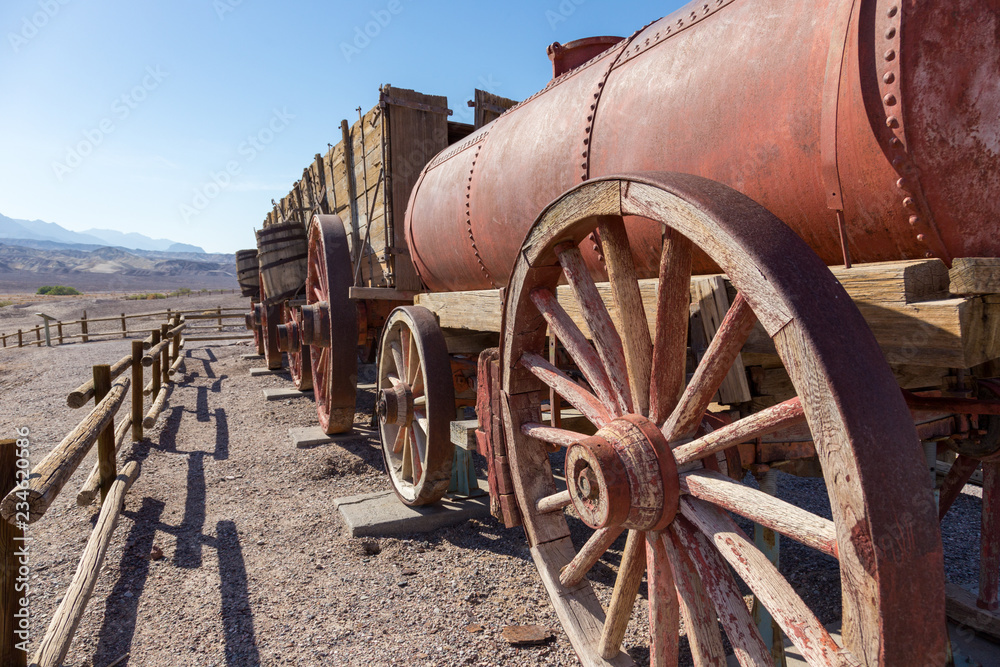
{"x":416,"y":404}
{"x":290,"y":339}
{"x":330,"y":324}
{"x":979,"y":611}
{"x":270,"y":318}
{"x":643,"y":472}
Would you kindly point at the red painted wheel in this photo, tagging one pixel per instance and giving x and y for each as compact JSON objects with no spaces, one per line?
{"x":330,"y":324}
{"x":646,"y":469}
{"x":416,"y":405}
{"x":270,"y":318}
{"x":299,"y":361}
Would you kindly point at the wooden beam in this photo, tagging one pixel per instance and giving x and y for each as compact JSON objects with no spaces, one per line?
{"x":51,"y":474}
{"x":975,"y":275}
{"x":156,"y":408}
{"x":88,"y":491}
{"x":381,"y":293}
{"x":55,"y":644}
{"x":80,"y":396}
{"x":11,"y":539}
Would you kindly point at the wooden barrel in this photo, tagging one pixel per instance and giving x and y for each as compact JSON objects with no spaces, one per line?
{"x":282,"y":251}
{"x":247,"y":271}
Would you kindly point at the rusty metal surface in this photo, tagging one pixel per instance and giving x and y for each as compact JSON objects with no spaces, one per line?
{"x":569,"y":56}
{"x":736,"y":92}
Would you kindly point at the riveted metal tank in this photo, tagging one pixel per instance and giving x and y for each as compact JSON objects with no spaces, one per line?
{"x":882,"y":113}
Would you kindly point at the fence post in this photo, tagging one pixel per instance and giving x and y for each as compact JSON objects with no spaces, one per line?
{"x":124,"y":333}
{"x":106,"y":440}
{"x":38,"y":336}
{"x":59,"y":326}
{"x":177,"y":339}
{"x":137,"y":385}
{"x":20,"y":338}
{"x":83,"y":327}
{"x":155,"y":368}
{"x":11,"y":538}
{"x":164,"y":356}
{"x":218,"y":310}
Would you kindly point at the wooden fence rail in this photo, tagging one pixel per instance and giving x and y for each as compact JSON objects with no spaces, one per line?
{"x":218,"y":313}
{"x":28,"y":501}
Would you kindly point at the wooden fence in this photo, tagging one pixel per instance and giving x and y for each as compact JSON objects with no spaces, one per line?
{"x":59,"y":330}
{"x":27,"y":500}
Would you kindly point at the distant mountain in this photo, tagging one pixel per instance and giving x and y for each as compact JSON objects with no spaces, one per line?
{"x":62,"y":258}
{"x":39,"y":230}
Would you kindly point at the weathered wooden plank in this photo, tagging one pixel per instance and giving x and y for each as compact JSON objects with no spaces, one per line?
{"x":944,"y":333}
{"x":414,"y":137}
{"x":709,"y":298}
{"x":975,"y":275}
{"x":906,"y":281}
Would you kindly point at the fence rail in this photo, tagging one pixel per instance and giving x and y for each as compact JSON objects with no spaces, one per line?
{"x":23,"y":336}
{"x":27,"y":501}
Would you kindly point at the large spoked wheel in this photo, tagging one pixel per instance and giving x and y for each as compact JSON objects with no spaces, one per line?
{"x":270,"y":318}
{"x":330,"y":324}
{"x":299,"y":361}
{"x":416,"y":404}
{"x":643,"y":470}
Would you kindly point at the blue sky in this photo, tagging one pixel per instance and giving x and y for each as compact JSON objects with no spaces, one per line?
{"x":125,"y":115}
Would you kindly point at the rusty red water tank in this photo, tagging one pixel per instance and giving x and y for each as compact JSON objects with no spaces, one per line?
{"x":888,"y":110}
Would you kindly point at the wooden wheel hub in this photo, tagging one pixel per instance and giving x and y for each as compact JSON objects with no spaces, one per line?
{"x":256,"y":316}
{"x":289,"y":338}
{"x":624,"y":475}
{"x":315,"y":324}
{"x":395,"y":405}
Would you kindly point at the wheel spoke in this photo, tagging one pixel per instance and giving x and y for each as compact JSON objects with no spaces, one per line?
{"x":595,"y":313}
{"x":397,"y":359}
{"x":397,"y":443}
{"x":768,"y":420}
{"x":638,"y":346}
{"x":712,"y":370}
{"x":772,"y":590}
{"x":673,"y":299}
{"x":791,"y":521}
{"x":623,"y":599}
{"x":576,"y":344}
{"x":404,"y":348}
{"x":748,"y":646}
{"x":957,"y":477}
{"x":599,"y":542}
{"x":407,"y":470}
{"x":702,"y":628}
{"x":550,"y":434}
{"x":416,"y":453}
{"x":564,"y":385}
{"x":989,"y":538}
{"x":413,"y":363}
{"x":664,"y":612}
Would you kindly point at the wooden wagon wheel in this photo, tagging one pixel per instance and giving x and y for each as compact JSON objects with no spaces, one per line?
{"x":416,"y":404}
{"x":270,"y":318}
{"x":330,"y":324}
{"x":642,"y":471}
{"x":290,"y":340}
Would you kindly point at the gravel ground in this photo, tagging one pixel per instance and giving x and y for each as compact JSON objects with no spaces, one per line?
{"x":257,"y":567}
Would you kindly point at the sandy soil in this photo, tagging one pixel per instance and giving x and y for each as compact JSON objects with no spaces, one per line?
{"x":257,"y":566}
